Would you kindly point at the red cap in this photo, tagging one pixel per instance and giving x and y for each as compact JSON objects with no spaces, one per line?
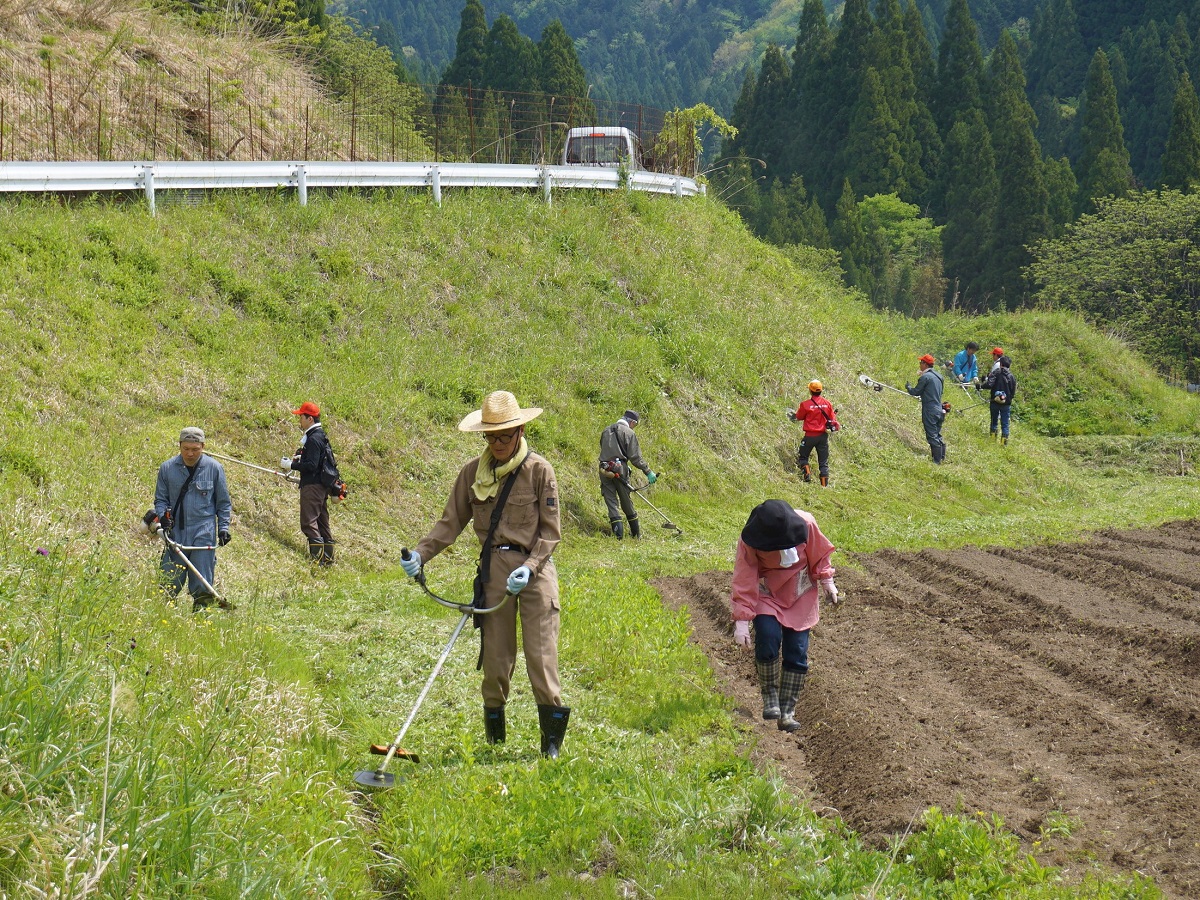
{"x":307,"y":408}
{"x":927,"y":359}
{"x":997,"y":351}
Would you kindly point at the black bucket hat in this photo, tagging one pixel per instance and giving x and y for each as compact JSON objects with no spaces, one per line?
{"x":774,"y":525}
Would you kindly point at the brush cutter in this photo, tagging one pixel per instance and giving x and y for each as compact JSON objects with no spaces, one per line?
{"x":667,"y":523}
{"x":157,"y":529}
{"x":879,"y":386}
{"x":381,"y":778}
{"x":286,"y":476}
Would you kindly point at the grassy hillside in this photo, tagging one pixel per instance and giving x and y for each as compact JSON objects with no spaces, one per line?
{"x":151,"y":752}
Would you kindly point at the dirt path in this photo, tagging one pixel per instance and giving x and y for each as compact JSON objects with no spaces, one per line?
{"x":1019,"y":682}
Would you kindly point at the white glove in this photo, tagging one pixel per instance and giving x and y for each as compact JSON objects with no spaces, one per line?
{"x":741,"y":634}
{"x":831,"y":591}
{"x":285,"y":463}
{"x":412,"y":565}
{"x":518,"y":579}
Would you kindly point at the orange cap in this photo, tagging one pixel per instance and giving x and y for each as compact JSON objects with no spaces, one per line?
{"x":307,"y":408}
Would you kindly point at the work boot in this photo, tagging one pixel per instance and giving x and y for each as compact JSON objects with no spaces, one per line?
{"x":806,"y":472}
{"x":1004,"y":440}
{"x":768,"y":683}
{"x":993,"y":435}
{"x":553,"y":722}
{"x":493,"y":724}
{"x":635,"y":528}
{"x":202,"y":601}
{"x":790,"y":684}
{"x":315,"y":550}
{"x":618,"y":528}
{"x":326,"y":558}
{"x":824,"y":481}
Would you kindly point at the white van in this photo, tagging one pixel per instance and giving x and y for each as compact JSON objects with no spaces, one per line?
{"x":601,"y":145}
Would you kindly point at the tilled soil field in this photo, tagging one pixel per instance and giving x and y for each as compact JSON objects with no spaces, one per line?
{"x":1030,"y":683}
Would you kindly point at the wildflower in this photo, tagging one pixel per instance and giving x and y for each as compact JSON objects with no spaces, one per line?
{"x":42,"y":551}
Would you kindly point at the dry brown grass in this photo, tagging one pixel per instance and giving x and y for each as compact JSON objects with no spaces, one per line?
{"x":129,"y":81}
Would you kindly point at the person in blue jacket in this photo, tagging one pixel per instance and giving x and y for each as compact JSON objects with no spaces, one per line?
{"x":191,"y":499}
{"x":966,"y":366}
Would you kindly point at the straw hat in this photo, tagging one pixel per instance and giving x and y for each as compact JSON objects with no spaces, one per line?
{"x":500,"y":412}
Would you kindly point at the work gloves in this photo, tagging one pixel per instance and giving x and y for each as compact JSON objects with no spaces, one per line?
{"x":223,"y":538}
{"x":412,"y":565}
{"x":792,"y":415}
{"x":741,"y":634}
{"x":830,"y":589}
{"x":286,"y":463}
{"x":651,"y":477}
{"x":518,"y":579}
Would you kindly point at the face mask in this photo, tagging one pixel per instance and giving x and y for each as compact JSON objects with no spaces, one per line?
{"x":788,"y":557}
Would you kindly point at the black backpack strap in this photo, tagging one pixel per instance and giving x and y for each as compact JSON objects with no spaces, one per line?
{"x":484,"y":569}
{"x":174,"y":507}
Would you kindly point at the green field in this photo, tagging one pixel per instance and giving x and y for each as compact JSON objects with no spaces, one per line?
{"x":149,"y":752}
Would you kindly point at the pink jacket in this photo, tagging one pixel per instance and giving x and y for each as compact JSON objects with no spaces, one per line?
{"x":762,"y":587}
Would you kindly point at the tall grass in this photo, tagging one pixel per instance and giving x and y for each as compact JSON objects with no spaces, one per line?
{"x":234,"y":738}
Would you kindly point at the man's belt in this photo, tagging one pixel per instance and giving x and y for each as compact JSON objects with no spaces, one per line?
{"x":510,"y":547}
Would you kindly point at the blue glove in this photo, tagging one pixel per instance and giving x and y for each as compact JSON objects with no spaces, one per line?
{"x":651,"y":477}
{"x":412,"y":565}
{"x":518,"y":579}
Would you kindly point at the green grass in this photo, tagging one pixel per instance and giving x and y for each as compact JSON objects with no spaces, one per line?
{"x":150,"y":752}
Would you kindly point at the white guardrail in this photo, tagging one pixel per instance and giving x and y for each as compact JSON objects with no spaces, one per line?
{"x":150,"y":177}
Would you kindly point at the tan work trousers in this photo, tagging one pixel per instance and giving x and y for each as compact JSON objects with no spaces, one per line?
{"x":537,"y":606}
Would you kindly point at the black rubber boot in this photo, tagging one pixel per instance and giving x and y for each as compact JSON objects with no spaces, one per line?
{"x":790,"y":685}
{"x":618,"y":528}
{"x":493,"y":724}
{"x":635,"y":528}
{"x":315,"y":552}
{"x":326,"y":558}
{"x":553,"y":722}
{"x":202,"y":601}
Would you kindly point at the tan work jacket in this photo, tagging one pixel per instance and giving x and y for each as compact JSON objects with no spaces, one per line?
{"x":530,"y":518}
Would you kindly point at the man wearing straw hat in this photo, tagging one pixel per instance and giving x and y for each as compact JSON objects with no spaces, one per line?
{"x":515,"y":558}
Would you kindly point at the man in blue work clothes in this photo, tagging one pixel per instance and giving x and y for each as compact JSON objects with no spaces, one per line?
{"x":192,"y":501}
{"x":929,"y":389}
{"x":966,"y":366}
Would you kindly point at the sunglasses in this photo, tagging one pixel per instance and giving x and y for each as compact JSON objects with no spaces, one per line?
{"x":501,"y":437}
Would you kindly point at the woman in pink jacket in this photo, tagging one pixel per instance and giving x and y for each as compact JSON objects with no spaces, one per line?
{"x":782,"y":558}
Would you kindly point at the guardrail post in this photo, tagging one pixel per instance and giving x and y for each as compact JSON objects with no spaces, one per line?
{"x":148,"y":186}
{"x":302,"y":185}
{"x":547,"y":178}
{"x":678,"y":187}
{"x":435,"y":181}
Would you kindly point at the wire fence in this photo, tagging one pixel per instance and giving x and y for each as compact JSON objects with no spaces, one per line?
{"x":53,"y":112}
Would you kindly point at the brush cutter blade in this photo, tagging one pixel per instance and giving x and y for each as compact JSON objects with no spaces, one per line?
{"x":401,"y":753}
{"x":374,"y":779}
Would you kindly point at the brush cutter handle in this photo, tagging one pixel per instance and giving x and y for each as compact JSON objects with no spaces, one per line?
{"x":464,"y":608}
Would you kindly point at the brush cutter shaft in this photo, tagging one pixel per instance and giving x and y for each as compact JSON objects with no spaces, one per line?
{"x":286,"y":476}
{"x":667,"y":523}
{"x":879,"y":385}
{"x":425,"y":690}
{"x":178,"y":549}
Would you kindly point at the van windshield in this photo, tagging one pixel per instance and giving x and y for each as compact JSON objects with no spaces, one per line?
{"x":591,"y":150}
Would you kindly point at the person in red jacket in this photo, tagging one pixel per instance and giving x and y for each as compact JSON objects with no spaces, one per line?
{"x":819,"y":419}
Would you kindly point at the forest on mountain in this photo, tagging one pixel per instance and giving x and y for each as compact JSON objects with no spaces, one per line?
{"x":939,"y":175}
{"x":660,"y":54}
